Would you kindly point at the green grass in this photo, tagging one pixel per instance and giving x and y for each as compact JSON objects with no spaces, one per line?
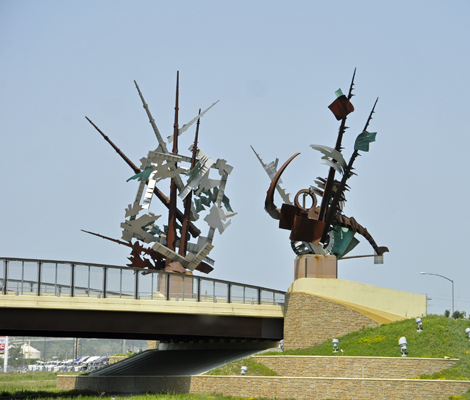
{"x":27,"y":383}
{"x":441,"y":337}
{"x":42,"y":385}
{"x":233,"y":368}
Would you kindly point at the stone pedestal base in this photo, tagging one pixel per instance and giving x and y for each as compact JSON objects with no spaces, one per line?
{"x":315,"y":266}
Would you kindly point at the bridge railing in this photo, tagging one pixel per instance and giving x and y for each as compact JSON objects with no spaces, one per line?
{"x":75,"y":279}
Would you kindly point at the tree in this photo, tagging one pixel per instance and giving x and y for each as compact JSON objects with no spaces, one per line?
{"x":447,"y":313}
{"x":15,"y":356}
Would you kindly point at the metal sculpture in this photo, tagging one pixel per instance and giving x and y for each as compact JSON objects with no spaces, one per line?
{"x":169,"y":247}
{"x":324,"y":229}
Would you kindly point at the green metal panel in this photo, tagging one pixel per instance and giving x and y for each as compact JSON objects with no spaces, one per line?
{"x":142,"y":176}
{"x":363,"y":140}
{"x":354,"y":242}
{"x":343,"y":237}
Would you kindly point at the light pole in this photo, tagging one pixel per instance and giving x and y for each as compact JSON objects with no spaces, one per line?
{"x":428,"y":273}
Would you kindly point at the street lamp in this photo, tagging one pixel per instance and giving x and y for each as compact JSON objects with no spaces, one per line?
{"x":428,"y":273}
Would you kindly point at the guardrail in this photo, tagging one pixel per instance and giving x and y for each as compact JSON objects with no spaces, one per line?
{"x":75,"y":279}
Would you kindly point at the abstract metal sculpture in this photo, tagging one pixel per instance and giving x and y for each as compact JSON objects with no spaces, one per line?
{"x":324,"y":229}
{"x":171,"y":249}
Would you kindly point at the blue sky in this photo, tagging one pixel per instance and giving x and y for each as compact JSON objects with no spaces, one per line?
{"x":275,"y":67}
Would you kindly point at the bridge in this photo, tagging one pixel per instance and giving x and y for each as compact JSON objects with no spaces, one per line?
{"x":73,"y":299}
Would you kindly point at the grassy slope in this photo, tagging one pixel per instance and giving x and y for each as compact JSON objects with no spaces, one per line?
{"x":441,"y":337}
{"x":254,"y":368}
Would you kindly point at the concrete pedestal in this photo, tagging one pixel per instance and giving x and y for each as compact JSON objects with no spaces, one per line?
{"x":181,"y":285}
{"x":315,"y":266}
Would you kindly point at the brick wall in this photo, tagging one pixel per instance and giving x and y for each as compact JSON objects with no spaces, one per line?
{"x":327,"y":388}
{"x":355,"y":367}
{"x":311,"y":320}
{"x":272,"y":386}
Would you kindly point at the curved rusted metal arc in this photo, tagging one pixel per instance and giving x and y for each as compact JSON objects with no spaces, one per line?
{"x":269,"y":205}
{"x":353,"y":225}
{"x":312,"y":196}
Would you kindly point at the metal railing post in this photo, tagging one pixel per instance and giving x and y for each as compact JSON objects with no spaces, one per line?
{"x":5,"y":276}
{"x":167,"y":281}
{"x":182,"y":295}
{"x":259,"y":296}
{"x":72,"y":281}
{"x":22,"y":276}
{"x":89,"y":272}
{"x":39,"y":277}
{"x":105,"y":278}
{"x":55,"y":278}
{"x":120,"y":283}
{"x":136,"y":285}
{"x":199,"y":289}
{"x":229,"y":293}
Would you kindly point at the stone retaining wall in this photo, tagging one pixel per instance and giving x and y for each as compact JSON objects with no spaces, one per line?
{"x":355,"y":367}
{"x":125,"y":384}
{"x":272,"y":386}
{"x":310,"y":320}
{"x":115,"y":359}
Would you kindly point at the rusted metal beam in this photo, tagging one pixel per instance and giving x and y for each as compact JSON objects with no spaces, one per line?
{"x":171,"y":233}
{"x":188,"y":200}
{"x":331,"y":175}
{"x":269,"y":205}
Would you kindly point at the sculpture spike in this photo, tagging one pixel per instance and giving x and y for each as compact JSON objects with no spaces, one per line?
{"x":370,"y":115}
{"x":350,"y":94}
{"x":171,"y":235}
{"x":161,"y":142}
{"x":188,"y":199}
{"x":118,"y":150}
{"x":331,"y":174}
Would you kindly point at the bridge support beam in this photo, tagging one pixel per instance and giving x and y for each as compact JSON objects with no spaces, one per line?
{"x":136,"y":325}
